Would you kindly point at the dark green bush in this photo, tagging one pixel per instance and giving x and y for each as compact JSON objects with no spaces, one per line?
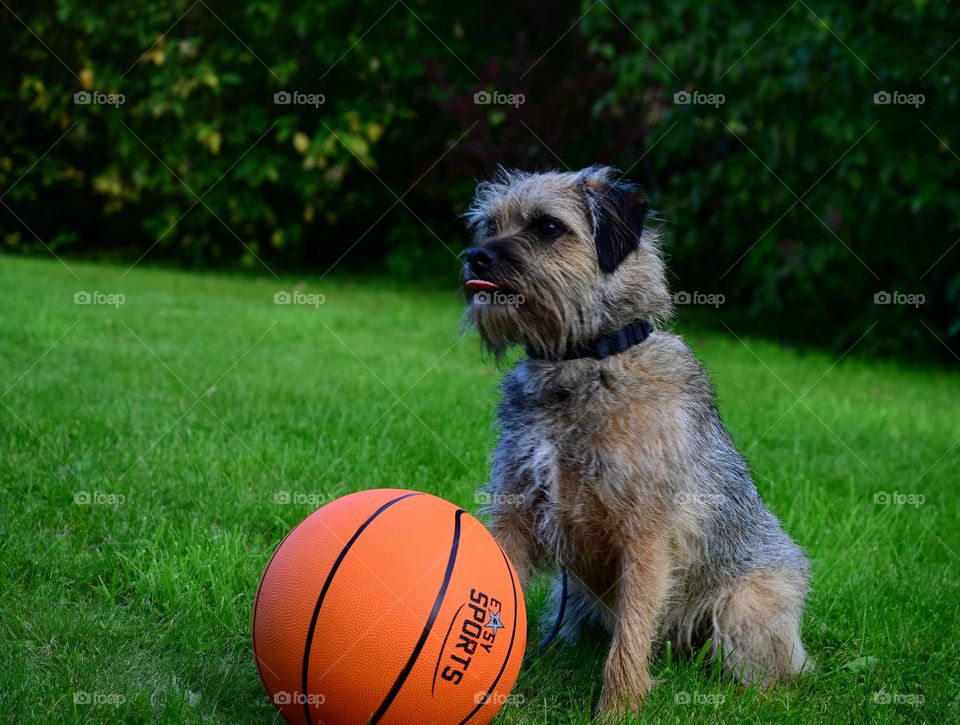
{"x":297,"y":185}
{"x":878,"y":183}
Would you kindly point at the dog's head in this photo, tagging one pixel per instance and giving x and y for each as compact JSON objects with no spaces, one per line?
{"x":559,"y":258}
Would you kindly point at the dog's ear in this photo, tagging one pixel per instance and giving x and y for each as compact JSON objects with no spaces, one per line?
{"x":618,"y":211}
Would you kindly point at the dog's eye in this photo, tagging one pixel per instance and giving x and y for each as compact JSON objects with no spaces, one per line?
{"x":547,"y":228}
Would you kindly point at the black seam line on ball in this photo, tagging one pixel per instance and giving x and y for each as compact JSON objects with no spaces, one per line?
{"x":405,"y":672}
{"x":323,"y":593}
{"x":513,"y":636}
{"x":453,"y":620}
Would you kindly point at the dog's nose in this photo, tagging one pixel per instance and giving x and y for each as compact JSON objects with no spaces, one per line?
{"x":480,"y":258}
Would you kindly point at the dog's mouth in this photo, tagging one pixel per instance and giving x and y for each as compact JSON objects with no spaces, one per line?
{"x":480,"y":285}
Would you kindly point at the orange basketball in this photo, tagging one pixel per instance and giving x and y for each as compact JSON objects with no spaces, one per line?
{"x":389,"y":606}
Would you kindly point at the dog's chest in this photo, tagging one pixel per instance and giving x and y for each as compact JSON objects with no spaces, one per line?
{"x":574,"y":508}
{"x":577,"y":452}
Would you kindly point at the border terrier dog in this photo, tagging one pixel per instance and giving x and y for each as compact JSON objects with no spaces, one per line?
{"x":613,"y":464}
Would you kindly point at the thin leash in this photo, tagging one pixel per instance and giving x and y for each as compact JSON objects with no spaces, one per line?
{"x":556,"y":625}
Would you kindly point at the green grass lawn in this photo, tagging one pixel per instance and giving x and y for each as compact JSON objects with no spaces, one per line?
{"x":187,"y":411}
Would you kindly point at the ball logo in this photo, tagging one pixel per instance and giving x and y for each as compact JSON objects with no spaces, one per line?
{"x":472,"y":633}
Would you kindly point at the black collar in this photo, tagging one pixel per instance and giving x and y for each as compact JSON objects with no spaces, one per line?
{"x":605,"y":345}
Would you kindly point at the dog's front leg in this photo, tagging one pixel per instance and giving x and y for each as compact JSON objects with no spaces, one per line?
{"x":512,"y":527}
{"x":637,"y":602}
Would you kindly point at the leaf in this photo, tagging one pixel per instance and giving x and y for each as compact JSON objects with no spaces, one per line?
{"x":301,"y":142}
{"x":861,"y":664}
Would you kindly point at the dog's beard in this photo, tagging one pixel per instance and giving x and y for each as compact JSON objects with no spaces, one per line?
{"x":498,"y":326}
{"x":549,"y":320}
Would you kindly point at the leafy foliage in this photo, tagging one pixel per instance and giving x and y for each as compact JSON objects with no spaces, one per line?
{"x":797,"y":198}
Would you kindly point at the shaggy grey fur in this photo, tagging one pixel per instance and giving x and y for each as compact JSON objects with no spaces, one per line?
{"x":620,"y":470}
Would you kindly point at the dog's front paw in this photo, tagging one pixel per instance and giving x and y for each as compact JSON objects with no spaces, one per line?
{"x":617,"y":709}
{"x":617,"y":702}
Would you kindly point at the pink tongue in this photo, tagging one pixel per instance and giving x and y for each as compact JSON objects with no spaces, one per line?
{"x":481,"y":284}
